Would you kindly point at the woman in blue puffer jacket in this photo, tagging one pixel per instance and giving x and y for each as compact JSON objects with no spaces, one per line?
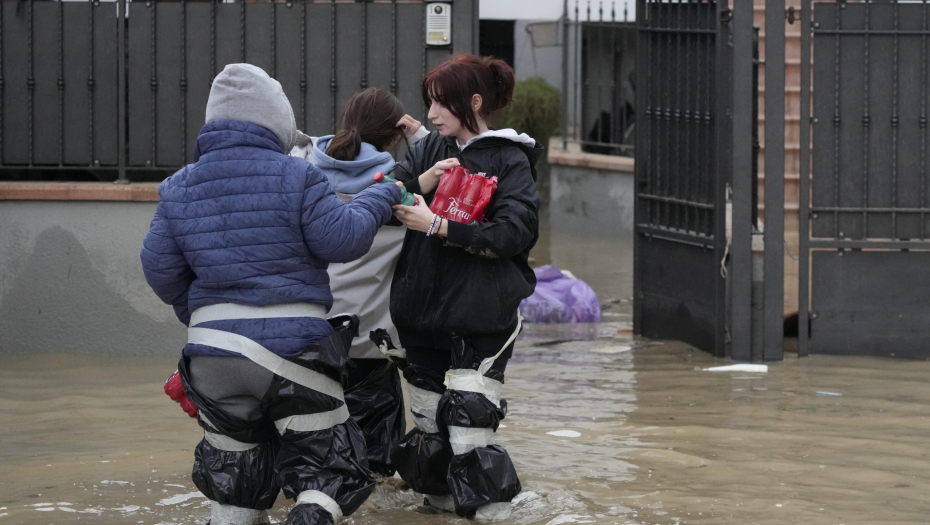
{"x":239,"y":246}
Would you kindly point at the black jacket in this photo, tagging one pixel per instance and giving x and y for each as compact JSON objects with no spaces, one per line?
{"x":472,"y":282}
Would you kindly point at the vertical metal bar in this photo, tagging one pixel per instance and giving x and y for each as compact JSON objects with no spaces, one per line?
{"x":183,"y":82}
{"x":565,"y":26}
{"x":836,"y":125}
{"x":394,"y":47}
{"x":154,"y":84}
{"x":213,"y":40}
{"x":332,"y":75}
{"x":579,"y":59}
{"x":679,"y":72}
{"x":923,"y":121}
{"x":241,"y":31}
{"x":720,"y":178}
{"x":804,"y":208}
{"x":303,"y":64}
{"x":707,"y":181}
{"x":665,"y":185}
{"x":643,"y":155}
{"x":90,"y":83}
{"x":61,"y":84}
{"x":774,"y":284}
{"x":364,"y":81}
{"x":741,"y":248}
{"x":31,"y":84}
{"x":576,"y":54}
{"x":894,"y":125}
{"x":274,"y":40}
{"x":688,"y":128}
{"x":866,"y":125}
{"x":122,"y":92}
{"x":1,"y":83}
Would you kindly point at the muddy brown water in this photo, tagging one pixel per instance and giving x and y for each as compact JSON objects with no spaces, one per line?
{"x":604,"y":428}
{"x":648,"y":436}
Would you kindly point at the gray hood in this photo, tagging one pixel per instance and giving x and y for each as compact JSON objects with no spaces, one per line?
{"x":245,"y":92}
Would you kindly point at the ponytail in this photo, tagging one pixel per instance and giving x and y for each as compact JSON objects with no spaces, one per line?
{"x":503,"y":80}
{"x":346,"y":145}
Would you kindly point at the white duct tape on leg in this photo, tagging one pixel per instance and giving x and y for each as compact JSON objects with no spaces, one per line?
{"x":493,"y":512}
{"x":314,"y":496}
{"x":467,"y":380}
{"x":219,"y":441}
{"x":423,"y":406}
{"x":313,"y":422}
{"x":230,"y":515}
{"x":465,"y":439}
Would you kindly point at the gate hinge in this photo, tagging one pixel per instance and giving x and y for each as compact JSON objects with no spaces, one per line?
{"x":726,"y":16}
{"x":791,"y":14}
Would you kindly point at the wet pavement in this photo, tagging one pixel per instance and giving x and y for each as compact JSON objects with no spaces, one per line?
{"x":604,"y":428}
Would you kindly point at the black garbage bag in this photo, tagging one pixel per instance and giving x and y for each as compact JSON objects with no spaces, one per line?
{"x":423,"y":461}
{"x":376,"y":402}
{"x":309,"y":514}
{"x":481,"y":476}
{"x":468,"y":409}
{"x":242,"y":479}
{"x":380,"y":336}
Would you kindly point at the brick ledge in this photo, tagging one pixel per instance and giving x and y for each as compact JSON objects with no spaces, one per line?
{"x":79,"y":191}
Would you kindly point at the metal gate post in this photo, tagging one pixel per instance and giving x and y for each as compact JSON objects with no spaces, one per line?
{"x":774,"y":233}
{"x":804,"y":208}
{"x":741,"y":239}
{"x":122,"y":96}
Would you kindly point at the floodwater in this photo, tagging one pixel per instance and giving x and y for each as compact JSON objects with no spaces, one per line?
{"x":604,"y":428}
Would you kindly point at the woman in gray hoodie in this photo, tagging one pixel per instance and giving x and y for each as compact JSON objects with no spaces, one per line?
{"x":372,"y":125}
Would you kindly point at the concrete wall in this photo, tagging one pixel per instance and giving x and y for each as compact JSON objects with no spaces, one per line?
{"x":582,"y":198}
{"x":71,"y":281}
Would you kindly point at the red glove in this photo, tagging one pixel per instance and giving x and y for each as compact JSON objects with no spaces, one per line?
{"x":175,"y":390}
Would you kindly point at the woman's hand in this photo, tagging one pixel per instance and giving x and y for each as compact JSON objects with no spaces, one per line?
{"x":418,"y":217}
{"x":429,"y":181}
{"x":409,"y":124}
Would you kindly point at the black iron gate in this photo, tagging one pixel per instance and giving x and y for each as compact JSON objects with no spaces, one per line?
{"x":864,"y":203}
{"x":681,"y":165}
{"x":118,"y":89}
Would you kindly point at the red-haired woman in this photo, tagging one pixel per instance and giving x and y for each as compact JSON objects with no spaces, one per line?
{"x":456,"y":291}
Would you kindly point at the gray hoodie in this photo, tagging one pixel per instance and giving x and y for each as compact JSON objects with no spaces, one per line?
{"x":245,"y":92}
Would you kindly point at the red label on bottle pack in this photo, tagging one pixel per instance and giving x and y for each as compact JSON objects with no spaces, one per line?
{"x":463,"y":196}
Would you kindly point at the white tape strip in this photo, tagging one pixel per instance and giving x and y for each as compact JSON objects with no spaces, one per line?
{"x":314,"y":496}
{"x":465,"y":439}
{"x":229,"y":515}
{"x":313,"y":422}
{"x":227,"y":311}
{"x":423,"y":406}
{"x":227,"y":444}
{"x":267,"y":359}
{"x":467,"y":380}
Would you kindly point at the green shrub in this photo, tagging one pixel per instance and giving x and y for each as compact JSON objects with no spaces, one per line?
{"x":536,"y":110}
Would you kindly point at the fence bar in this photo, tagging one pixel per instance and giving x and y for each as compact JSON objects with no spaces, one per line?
{"x":774,"y":285}
{"x":303,"y":65}
{"x":154,"y":84}
{"x":122,"y":117}
{"x":182,"y":84}
{"x":719,"y":180}
{"x":31,"y":84}
{"x":394,"y":47}
{"x":707,"y":180}
{"x":61,"y":84}
{"x":689,"y":128}
{"x":274,"y":40}
{"x":836,"y":125}
{"x":577,"y":71}
{"x":90,"y":84}
{"x":805,"y":183}
{"x":741,"y":251}
{"x":213,"y":40}
{"x":1,"y":82}
{"x":868,"y":245}
{"x":866,"y":129}
{"x":894,"y":124}
{"x":565,"y":97}
{"x":241,"y":31}
{"x":364,"y":82}
{"x":332,"y":73}
{"x":923,"y":122}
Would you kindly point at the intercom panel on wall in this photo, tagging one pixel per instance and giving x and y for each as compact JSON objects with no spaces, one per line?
{"x":438,"y":24}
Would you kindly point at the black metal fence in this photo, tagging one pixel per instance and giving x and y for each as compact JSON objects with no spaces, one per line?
{"x":117,"y":90}
{"x":865,"y":208}
{"x":599,"y":76}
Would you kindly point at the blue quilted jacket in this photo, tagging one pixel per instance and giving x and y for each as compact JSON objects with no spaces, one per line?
{"x":247,"y":224}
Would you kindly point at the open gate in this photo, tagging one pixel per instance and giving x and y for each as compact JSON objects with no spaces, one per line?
{"x":864,"y":203}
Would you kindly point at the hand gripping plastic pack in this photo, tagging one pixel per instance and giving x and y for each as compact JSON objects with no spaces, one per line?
{"x":462,"y":196}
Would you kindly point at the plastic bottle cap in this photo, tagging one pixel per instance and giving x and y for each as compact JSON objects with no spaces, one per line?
{"x":378,"y":177}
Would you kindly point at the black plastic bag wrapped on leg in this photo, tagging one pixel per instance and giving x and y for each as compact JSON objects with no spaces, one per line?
{"x":309,"y":514}
{"x":422,"y":460}
{"x":376,"y":402}
{"x":241,"y":479}
{"x":381,"y":337}
{"x":484,"y":475}
{"x":469,"y":409}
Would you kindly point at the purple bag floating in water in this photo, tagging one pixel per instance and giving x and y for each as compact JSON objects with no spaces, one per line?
{"x":560,"y":299}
